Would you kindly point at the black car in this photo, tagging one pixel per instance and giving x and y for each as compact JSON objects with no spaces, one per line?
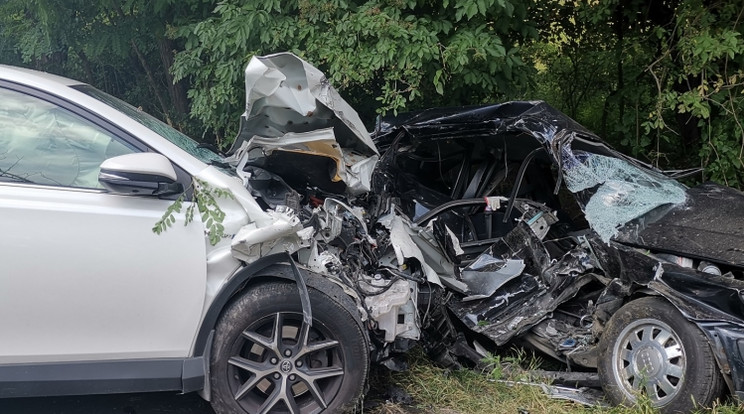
{"x":472,"y":228}
{"x":625,"y":270}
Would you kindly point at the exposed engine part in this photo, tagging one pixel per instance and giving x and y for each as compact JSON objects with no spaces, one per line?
{"x":320,"y":262}
{"x":394,"y":309}
{"x":710,"y":268}
{"x":564,"y":338}
{"x":680,"y":261}
{"x":270,"y":189}
{"x":444,"y":343}
{"x":703,"y":266}
{"x":538,"y":217}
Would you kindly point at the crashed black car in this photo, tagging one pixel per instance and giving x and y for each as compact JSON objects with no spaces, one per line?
{"x":469,"y":229}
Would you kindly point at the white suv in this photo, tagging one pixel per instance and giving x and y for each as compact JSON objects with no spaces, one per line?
{"x":94,"y":301}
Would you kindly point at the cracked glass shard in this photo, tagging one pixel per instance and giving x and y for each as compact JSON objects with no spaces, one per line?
{"x":623,"y":191}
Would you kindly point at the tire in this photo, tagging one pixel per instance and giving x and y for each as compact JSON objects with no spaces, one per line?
{"x":649,"y":347}
{"x":255,"y":371}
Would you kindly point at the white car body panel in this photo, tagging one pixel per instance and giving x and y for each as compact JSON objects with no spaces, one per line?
{"x":113,"y":285}
{"x":168,"y":304}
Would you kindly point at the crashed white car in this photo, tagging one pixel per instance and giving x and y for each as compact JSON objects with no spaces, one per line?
{"x":94,"y":301}
{"x":269,"y":280}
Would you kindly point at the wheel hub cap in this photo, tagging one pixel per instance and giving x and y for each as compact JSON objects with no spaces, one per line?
{"x":272,"y":369}
{"x":286,"y":366}
{"x":649,"y":357}
{"x":649,"y":360}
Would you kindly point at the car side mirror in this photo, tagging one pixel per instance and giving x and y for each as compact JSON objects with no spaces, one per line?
{"x":143,"y":173}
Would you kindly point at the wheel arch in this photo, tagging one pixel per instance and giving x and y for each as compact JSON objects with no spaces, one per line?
{"x":264,"y":270}
{"x":268,"y":268}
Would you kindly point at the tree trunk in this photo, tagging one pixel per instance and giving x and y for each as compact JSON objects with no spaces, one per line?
{"x":176,"y":90}
{"x":146,"y":66}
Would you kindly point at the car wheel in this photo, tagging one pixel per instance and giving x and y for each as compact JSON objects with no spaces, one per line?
{"x":649,"y":347}
{"x":265,"y":359}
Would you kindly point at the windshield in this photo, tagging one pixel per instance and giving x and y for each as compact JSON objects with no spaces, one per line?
{"x":618,"y":190}
{"x":184,"y":142}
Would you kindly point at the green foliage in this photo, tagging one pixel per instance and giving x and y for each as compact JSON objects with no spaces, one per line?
{"x":514,"y":365}
{"x":700,"y":73}
{"x":205,"y":201}
{"x":383,"y":55}
{"x":661,"y":80}
{"x":118,"y":46}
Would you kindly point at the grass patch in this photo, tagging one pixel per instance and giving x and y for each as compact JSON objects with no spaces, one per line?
{"x":440,"y":391}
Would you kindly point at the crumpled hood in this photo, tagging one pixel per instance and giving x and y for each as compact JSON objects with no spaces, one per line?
{"x":295,"y":122}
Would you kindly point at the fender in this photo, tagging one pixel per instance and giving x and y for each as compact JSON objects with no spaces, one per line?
{"x":284,"y":270}
{"x":715,"y":306}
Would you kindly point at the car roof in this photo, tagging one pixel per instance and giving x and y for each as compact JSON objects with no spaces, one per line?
{"x":34,"y":77}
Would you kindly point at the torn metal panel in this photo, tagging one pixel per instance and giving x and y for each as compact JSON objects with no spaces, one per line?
{"x":300,"y":128}
{"x":524,"y":301}
{"x":286,"y":94}
{"x":404,"y":246}
{"x":701,"y":296}
{"x":517,"y":306}
{"x":583,"y":395}
{"x":488,"y":272}
{"x":616,"y":260}
{"x":310,"y":159}
{"x":507,"y":313}
{"x":284,"y":234}
{"x":726,"y":340}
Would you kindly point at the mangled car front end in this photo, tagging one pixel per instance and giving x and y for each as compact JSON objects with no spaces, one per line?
{"x":467,"y":229}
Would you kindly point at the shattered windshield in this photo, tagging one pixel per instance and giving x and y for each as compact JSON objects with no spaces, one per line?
{"x":620,"y":190}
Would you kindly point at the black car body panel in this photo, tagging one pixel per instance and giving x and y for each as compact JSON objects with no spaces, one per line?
{"x":710,"y":226}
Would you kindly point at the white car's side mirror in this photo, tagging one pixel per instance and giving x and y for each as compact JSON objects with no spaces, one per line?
{"x":144,"y":173}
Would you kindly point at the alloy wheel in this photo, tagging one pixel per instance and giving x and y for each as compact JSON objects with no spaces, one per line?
{"x":280,"y":364}
{"x":649,"y":357}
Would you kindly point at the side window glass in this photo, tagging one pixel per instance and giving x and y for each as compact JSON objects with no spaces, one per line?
{"x":42,"y":143}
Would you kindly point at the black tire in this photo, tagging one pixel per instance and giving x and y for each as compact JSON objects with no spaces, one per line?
{"x":255,"y":371}
{"x":649,"y":345}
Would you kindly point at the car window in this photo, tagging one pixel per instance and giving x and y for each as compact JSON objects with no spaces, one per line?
{"x":43,"y":143}
{"x":187,"y":144}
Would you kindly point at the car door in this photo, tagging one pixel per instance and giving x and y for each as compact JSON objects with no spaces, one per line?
{"x":82,"y":275}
